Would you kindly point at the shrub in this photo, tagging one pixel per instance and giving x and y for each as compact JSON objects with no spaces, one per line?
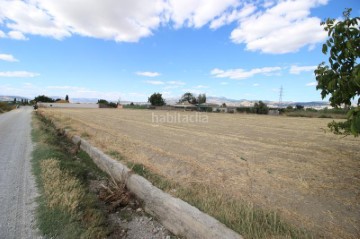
{"x":4,"y":107}
{"x":261,"y":108}
{"x":156,"y":99}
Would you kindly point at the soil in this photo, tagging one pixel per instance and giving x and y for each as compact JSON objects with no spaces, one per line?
{"x":128,"y":220}
{"x":293,"y":166}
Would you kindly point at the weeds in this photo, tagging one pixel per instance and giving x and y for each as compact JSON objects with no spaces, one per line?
{"x":4,"y":107}
{"x":241,"y":216}
{"x":60,"y":189}
{"x":67,"y":209}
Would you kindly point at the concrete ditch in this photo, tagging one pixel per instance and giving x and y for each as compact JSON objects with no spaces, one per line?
{"x":177,"y":216}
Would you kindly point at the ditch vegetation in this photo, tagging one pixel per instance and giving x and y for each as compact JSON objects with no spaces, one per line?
{"x":77,"y":199}
{"x":67,"y":208}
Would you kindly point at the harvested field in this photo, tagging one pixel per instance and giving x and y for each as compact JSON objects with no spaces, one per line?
{"x":288,"y":165}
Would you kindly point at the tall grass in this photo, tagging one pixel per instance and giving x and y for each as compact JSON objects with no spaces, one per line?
{"x":243,"y":217}
{"x":4,"y":107}
{"x":67,"y":209}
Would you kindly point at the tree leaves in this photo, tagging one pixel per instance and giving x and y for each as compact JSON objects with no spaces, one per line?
{"x":156,"y":99}
{"x":324,"y":48}
{"x":341,"y":80}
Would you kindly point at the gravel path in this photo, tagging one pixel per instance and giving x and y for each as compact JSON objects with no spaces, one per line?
{"x":17,"y":184}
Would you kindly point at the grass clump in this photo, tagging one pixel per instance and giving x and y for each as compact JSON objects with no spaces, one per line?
{"x":5,"y":107}
{"x":66,"y":207}
{"x":242,"y":217}
{"x":154,"y":178}
{"x":60,"y":189}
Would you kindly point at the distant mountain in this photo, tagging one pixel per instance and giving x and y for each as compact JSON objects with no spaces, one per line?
{"x":12,"y":97}
{"x":249,"y":103}
{"x":312,"y":104}
{"x":209,"y":99}
{"x":83,"y":100}
{"x":212,"y":99}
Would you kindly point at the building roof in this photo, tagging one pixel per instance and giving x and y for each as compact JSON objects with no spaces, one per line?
{"x":184,"y":104}
{"x":208,"y":105}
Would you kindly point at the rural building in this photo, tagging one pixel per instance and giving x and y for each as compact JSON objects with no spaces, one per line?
{"x":274,"y":112}
{"x":207,"y":107}
{"x":185,"y":106}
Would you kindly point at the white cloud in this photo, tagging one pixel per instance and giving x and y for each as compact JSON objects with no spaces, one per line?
{"x":314,"y":83}
{"x":282,"y":28}
{"x":201,"y":87}
{"x":109,"y":19}
{"x":269,"y":26}
{"x":18,"y":74}
{"x":234,"y":15}
{"x":8,"y":57}
{"x":175,"y":83}
{"x":239,"y":74}
{"x":197,"y":13}
{"x":16,"y":35}
{"x":268,"y":3}
{"x":154,"y":82}
{"x":167,"y":94}
{"x":224,"y":83}
{"x":122,"y":21}
{"x":298,"y":69}
{"x":148,"y":73}
{"x":256,"y":84}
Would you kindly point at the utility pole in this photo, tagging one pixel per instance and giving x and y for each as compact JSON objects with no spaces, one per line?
{"x":280,"y":97}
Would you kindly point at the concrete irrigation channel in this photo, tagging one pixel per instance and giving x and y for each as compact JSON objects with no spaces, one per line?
{"x":176,"y":215}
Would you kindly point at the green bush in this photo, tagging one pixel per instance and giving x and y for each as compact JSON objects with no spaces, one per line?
{"x":4,"y":107}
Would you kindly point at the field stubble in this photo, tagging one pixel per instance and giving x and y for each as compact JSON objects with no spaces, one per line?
{"x":288,"y":165}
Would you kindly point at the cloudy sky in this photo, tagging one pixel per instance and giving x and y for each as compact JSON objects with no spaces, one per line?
{"x":129,"y":49}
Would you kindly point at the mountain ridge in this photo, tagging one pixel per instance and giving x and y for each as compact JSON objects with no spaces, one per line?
{"x":210,"y":99}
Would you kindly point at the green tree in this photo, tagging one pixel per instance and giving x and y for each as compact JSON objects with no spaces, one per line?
{"x":341,"y":78}
{"x":43,"y":98}
{"x":67,"y":98}
{"x":156,"y":99}
{"x":261,"y":108}
{"x":201,"y":98}
{"x":299,"y":107}
{"x":102,"y":101}
{"x":189,"y":97}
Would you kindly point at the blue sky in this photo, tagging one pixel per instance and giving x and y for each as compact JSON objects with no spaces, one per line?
{"x":130,"y":49}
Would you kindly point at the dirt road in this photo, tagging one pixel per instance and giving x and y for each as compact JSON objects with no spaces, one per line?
{"x":17,"y":184}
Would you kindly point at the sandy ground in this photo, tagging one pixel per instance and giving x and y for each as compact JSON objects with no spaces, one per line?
{"x":289,"y":165}
{"x":17,"y":184}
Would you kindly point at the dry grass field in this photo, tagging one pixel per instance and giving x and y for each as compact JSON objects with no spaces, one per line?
{"x":288,"y":165}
